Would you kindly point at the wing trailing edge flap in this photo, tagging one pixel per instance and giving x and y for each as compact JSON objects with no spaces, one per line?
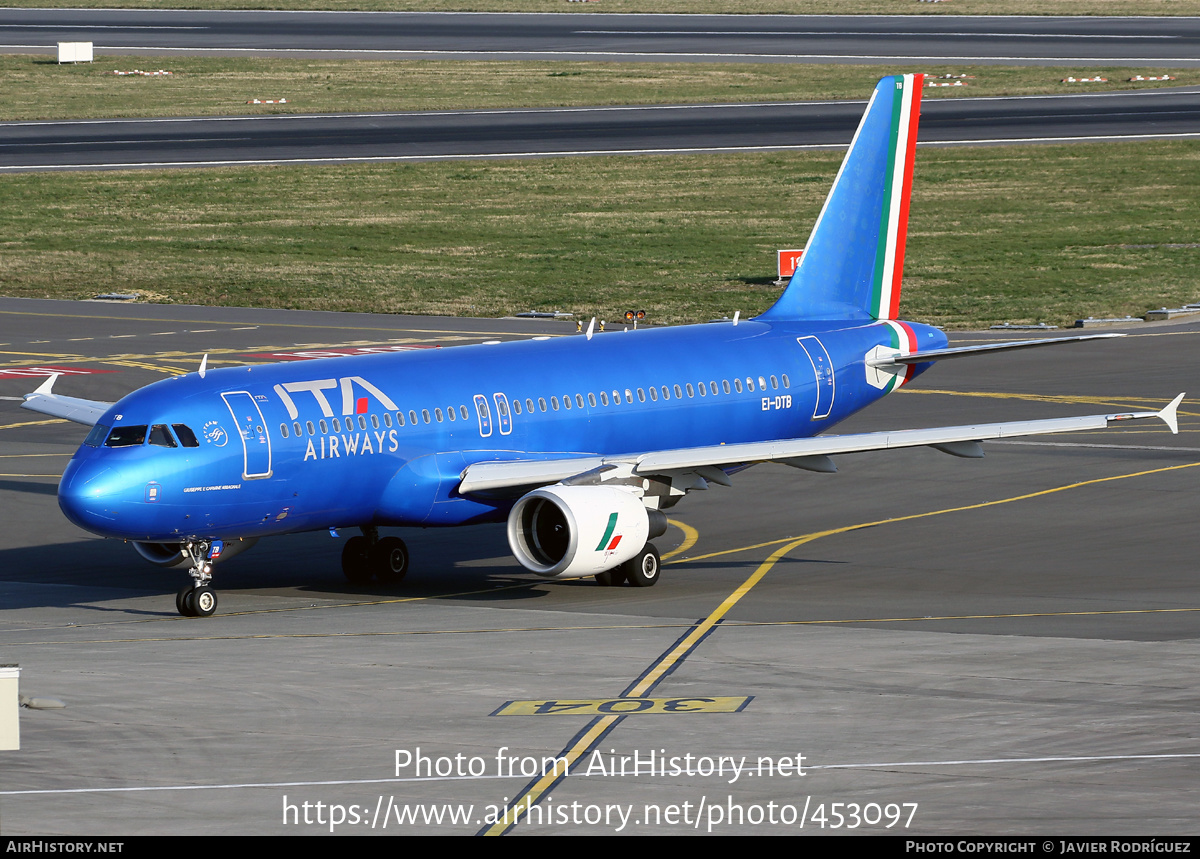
{"x":45,"y":401}
{"x":968,"y":351}
{"x":811,"y":453}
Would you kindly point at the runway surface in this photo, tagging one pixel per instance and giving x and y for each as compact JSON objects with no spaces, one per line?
{"x":1007,"y":643}
{"x":435,"y":135}
{"x":705,"y":38}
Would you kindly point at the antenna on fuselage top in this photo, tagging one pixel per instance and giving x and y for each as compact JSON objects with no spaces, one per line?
{"x":203,"y":365}
{"x":736,"y":315}
{"x":591,"y":328}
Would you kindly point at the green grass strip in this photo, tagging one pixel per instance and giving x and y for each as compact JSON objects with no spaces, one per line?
{"x":1013,"y":233}
{"x":36,"y":87}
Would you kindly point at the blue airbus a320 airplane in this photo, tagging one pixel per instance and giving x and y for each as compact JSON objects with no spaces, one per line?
{"x":580,"y":443}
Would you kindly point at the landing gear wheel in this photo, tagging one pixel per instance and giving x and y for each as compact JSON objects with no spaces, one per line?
{"x":389,"y":560}
{"x":643,"y":569}
{"x":611,"y":578}
{"x":354,"y":561}
{"x":202,"y":601}
{"x":181,"y":600}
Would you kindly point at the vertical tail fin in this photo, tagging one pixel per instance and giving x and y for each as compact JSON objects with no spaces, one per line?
{"x":854,"y":259}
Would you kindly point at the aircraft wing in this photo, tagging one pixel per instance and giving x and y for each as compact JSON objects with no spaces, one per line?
{"x":709,"y":463}
{"x":44,"y":400}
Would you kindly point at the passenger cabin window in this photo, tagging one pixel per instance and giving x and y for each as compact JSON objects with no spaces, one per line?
{"x":691,"y":391}
{"x":299,"y":431}
{"x":749,"y":384}
{"x":412,"y":416}
{"x":425,"y":415}
{"x":337,"y":425}
{"x":309,"y":426}
{"x":786,"y":382}
{"x":737,"y":385}
{"x":387,"y":419}
{"x":712,"y":386}
{"x":579,"y":400}
{"x":362,"y":422}
{"x":591,"y":399}
{"x":283,"y":431}
{"x":725,"y":385}
{"x":437,"y":413}
{"x":678,"y":393}
{"x":516,"y":407}
{"x":126,"y":436}
{"x":654,"y":394}
{"x":450,"y":413}
{"x":604,"y":398}
{"x":462,"y":412}
{"x":324,"y":427}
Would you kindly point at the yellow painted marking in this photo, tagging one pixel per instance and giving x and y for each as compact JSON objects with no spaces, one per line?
{"x":1093,"y":613}
{"x":624,"y":706}
{"x":194,"y":356}
{"x":34,"y":423}
{"x":978,"y":506}
{"x":534,"y":794}
{"x":139,"y":365}
{"x":40,"y":355}
{"x":327,"y":327}
{"x":1121,"y":404}
{"x":527,"y":629}
{"x":690,"y":536}
{"x":684,"y":646}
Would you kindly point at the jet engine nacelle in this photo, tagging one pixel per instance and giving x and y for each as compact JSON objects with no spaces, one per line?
{"x":171,"y":555}
{"x":563,"y":531}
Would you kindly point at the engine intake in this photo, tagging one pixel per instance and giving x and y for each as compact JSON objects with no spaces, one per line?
{"x":565,"y":531}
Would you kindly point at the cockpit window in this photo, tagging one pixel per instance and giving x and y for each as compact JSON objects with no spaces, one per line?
{"x":126,"y":436}
{"x":161,"y":436}
{"x":187,"y":438}
{"x":99,"y":431}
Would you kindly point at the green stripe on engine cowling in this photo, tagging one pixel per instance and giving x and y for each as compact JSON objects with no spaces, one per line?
{"x":612,"y":524}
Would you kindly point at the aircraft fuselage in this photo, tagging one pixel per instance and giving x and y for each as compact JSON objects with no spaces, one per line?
{"x":384,"y":439}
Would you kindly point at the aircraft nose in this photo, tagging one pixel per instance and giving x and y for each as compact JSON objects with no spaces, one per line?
{"x":88,"y":496}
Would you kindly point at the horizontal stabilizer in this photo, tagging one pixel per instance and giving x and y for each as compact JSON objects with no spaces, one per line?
{"x":45,"y":401}
{"x":967,"y":351}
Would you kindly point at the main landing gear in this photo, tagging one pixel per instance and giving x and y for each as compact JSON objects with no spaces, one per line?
{"x":641,"y":571}
{"x":198,"y":599}
{"x":384,"y":559}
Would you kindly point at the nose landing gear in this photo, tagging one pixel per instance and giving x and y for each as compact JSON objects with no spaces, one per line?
{"x":198,"y":599}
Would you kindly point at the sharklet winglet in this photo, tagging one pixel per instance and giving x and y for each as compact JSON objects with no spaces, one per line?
{"x":1169,"y":416}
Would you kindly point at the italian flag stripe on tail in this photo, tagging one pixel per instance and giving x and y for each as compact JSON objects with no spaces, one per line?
{"x":893,"y":228}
